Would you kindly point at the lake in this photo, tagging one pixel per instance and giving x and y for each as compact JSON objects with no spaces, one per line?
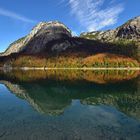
{"x":69,"y":105}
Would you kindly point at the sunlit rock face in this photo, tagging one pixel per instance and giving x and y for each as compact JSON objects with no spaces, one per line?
{"x":39,"y":37}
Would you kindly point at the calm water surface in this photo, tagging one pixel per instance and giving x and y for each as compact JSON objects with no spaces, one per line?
{"x":44,"y":105}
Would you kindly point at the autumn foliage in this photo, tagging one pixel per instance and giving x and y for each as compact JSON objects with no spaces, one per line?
{"x":94,"y":61}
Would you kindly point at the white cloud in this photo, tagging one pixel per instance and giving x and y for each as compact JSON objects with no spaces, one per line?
{"x":74,"y":33}
{"x":93,"y":15}
{"x":13,"y":15}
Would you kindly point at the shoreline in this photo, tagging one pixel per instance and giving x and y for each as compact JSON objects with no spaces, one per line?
{"x":65,"y":68}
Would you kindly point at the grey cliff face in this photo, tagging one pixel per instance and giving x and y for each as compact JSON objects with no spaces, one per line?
{"x":130,"y":30}
{"x":38,"y":38}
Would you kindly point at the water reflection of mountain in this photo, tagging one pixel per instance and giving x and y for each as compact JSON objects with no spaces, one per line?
{"x":53,"y":95}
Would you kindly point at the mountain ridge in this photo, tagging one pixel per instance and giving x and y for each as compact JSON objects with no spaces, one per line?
{"x":50,"y":40}
{"x":129,"y":30}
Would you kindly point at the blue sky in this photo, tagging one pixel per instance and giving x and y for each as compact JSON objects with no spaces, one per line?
{"x":18,"y":17}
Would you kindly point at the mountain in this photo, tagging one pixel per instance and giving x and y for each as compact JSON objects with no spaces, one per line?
{"x":130,"y":30}
{"x":52,"y":44}
{"x":38,"y":38}
{"x":125,"y":34}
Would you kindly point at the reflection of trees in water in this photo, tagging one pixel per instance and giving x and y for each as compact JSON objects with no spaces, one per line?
{"x":97,"y":76}
{"x":54,"y":96}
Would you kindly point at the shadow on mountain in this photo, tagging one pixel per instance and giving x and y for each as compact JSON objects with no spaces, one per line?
{"x":75,"y":46}
{"x":82,"y":46}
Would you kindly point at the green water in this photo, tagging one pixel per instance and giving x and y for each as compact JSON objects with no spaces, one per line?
{"x":77,"y":109}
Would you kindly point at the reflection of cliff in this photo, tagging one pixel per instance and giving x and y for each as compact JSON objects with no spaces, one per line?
{"x":14,"y":88}
{"x":53,"y":96}
{"x":102,"y":76}
{"x":44,"y":100}
{"x":39,"y":97}
{"x":129,"y":104}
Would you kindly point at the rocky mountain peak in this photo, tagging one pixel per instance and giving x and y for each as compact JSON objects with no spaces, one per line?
{"x":48,"y":26}
{"x":130,"y":30}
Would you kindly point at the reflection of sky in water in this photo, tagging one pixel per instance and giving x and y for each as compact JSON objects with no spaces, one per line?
{"x":83,"y":122}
